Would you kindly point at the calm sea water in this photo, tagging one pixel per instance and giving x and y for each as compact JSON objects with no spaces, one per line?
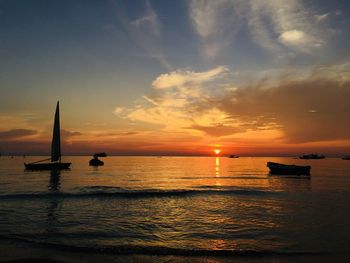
{"x":178,"y":205}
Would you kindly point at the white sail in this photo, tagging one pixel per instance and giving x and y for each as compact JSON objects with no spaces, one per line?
{"x":56,"y":137}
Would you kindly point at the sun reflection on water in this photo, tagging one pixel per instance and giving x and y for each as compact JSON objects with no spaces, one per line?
{"x":217,"y":171}
{"x":217,"y":166}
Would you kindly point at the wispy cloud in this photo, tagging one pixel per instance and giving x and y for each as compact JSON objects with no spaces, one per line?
{"x":181,"y":78}
{"x":16,"y":134}
{"x":274,"y":25}
{"x":145,"y":31}
{"x":216,"y":23}
{"x":322,"y":17}
{"x":150,"y":20}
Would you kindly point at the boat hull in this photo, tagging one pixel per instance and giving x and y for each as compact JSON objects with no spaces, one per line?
{"x":312,"y":157}
{"x":47,"y":166}
{"x":283,"y":169}
{"x":96,"y":162}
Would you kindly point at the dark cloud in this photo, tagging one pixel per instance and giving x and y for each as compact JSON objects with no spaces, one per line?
{"x":25,"y":147}
{"x":305,"y":110}
{"x":16,"y":134}
{"x":122,"y":133}
{"x":67,"y":134}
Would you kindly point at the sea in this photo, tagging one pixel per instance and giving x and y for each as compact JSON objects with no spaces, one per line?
{"x":175,"y":209}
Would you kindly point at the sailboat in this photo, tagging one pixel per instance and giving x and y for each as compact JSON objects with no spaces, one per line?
{"x":55,"y":163}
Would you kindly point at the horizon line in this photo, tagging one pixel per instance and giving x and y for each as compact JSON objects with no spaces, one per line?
{"x":162,"y":155}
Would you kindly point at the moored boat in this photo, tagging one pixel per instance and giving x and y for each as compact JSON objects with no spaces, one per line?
{"x":95,"y":161}
{"x":346,"y":157}
{"x":311,"y":156}
{"x":56,"y":163}
{"x":47,"y":166}
{"x":288,"y":169}
{"x":233,"y":156}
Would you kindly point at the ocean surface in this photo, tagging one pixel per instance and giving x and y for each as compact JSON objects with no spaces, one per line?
{"x":182,"y":206}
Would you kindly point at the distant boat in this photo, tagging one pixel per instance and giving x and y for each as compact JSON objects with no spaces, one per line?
{"x":346,"y":157}
{"x":55,"y":163}
{"x":103,"y":154}
{"x":233,"y":156}
{"x":311,"y":156}
{"x":285,"y":169}
{"x":97,"y":162}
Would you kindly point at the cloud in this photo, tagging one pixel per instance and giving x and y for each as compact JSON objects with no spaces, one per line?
{"x":117,"y":134}
{"x":181,"y":78}
{"x":145,"y":31}
{"x":118,"y":110}
{"x":150,"y":20}
{"x":67,"y":134}
{"x":216,"y":22}
{"x":287,"y":110}
{"x":323,"y":17}
{"x":174,"y":98}
{"x":275,"y":26}
{"x":299,"y":39}
{"x":309,"y":109}
{"x":292,"y":37}
{"x":289,"y":20}
{"x":16,"y":134}
{"x":217,"y":130}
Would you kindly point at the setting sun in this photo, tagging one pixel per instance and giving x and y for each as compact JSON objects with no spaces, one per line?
{"x":217,"y":151}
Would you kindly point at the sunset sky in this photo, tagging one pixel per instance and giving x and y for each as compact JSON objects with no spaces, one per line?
{"x":183,"y":77}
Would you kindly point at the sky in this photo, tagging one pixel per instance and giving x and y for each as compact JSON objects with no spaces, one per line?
{"x":184,"y":77}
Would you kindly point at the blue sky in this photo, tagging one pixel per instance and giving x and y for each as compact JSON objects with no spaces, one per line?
{"x":130,"y":67}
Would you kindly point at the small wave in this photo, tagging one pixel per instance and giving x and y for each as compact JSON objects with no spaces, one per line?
{"x":163,"y":250}
{"x":121,"y":193}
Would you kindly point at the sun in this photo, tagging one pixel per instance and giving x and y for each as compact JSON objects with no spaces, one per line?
{"x":217,"y":151}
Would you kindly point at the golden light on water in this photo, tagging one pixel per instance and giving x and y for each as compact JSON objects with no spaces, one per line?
{"x":217,"y":167}
{"x":217,"y":171}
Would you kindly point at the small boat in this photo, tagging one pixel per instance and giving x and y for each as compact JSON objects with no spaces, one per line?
{"x":96,"y":162}
{"x":233,"y":156}
{"x":311,"y":156}
{"x":287,"y":169}
{"x":55,"y":163}
{"x":346,"y":157}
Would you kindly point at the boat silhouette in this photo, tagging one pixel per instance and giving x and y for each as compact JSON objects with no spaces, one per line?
{"x":95,"y":161}
{"x":311,"y":156}
{"x":287,"y":169}
{"x":55,"y":163}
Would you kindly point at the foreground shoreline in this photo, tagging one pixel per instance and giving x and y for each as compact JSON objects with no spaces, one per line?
{"x":18,"y":252}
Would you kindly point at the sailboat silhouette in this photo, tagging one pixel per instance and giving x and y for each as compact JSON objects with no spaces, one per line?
{"x":55,"y":163}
